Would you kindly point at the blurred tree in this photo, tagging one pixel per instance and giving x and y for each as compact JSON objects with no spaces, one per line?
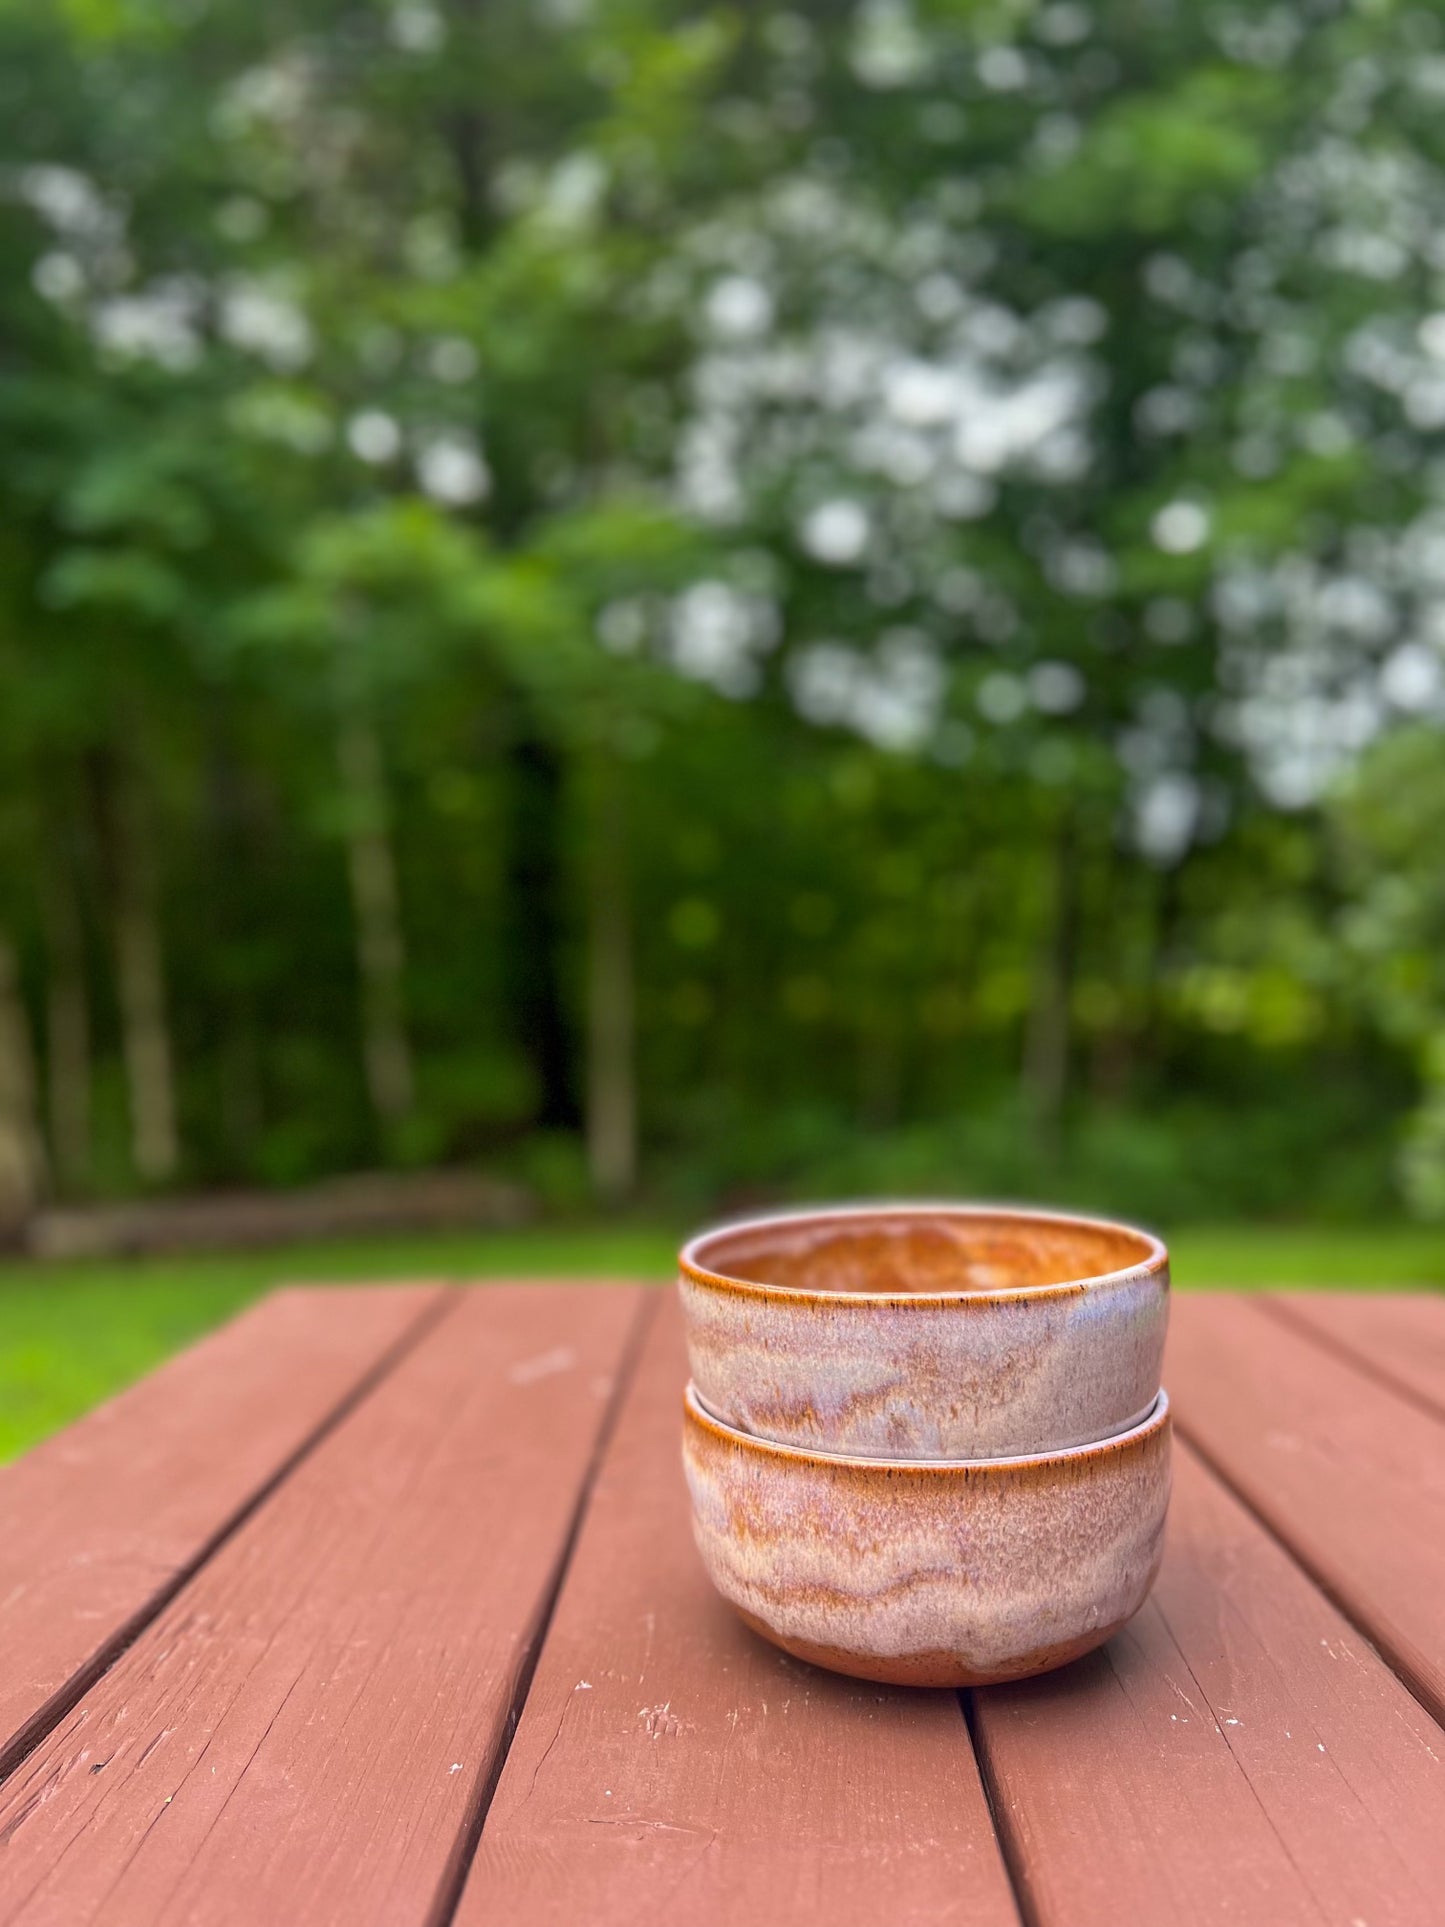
{"x":744,"y":577}
{"x":21,"y":1157}
{"x":1392,"y":816}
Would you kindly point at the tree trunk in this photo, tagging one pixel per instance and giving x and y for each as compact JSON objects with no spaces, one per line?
{"x":1115,"y":912}
{"x":1111,"y":1064}
{"x":141,"y":984}
{"x":466,"y":133}
{"x":531,"y":938}
{"x":232,"y":914}
{"x":1048,"y":1033}
{"x":1167,"y":910}
{"x":880,"y":1071}
{"x":611,"y":1013}
{"x":67,"y":1028}
{"x":380,"y":946}
{"x":22,"y":1165}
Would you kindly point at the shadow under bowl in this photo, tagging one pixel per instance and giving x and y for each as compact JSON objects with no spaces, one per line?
{"x":934,"y":1573}
{"x":926,"y":1331}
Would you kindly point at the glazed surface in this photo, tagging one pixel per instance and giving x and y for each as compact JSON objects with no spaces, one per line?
{"x":841,"y":1336}
{"x":902,"y":1250}
{"x":932,"y":1574}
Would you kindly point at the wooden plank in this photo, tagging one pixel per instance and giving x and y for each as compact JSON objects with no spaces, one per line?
{"x":102,"y":1521}
{"x":671,"y":1766}
{"x":308,"y":1730}
{"x":1237,"y":1755}
{"x":1399,"y":1335}
{"x":1347,"y":1473}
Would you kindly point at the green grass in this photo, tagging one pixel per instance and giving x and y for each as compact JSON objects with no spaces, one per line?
{"x":1245,"y":1257}
{"x":70,"y":1334}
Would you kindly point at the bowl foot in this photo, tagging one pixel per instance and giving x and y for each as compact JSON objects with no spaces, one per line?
{"x":936,"y":1668}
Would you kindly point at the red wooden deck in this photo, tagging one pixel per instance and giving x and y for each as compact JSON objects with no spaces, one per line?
{"x":380,"y":1607}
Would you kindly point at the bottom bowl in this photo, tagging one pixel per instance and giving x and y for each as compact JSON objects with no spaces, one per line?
{"x":930,"y":1572}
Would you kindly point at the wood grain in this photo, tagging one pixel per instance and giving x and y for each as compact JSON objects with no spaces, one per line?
{"x":102,"y":1521}
{"x":1237,"y":1755}
{"x":1398,"y":1335}
{"x":669,"y":1766}
{"x":1347,"y":1473}
{"x":307,"y":1731}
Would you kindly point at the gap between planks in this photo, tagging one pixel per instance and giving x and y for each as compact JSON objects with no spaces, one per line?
{"x":1318,"y":1577}
{"x":1010,"y":1847}
{"x":670,"y":1763}
{"x":455,"y":1877}
{"x":1006,"y":1828}
{"x":1329,"y":1556}
{"x":34,"y":1732}
{"x":1102,"y":1802}
{"x":1237,"y":1754}
{"x":1314,"y":1321}
{"x":457,"y":1471}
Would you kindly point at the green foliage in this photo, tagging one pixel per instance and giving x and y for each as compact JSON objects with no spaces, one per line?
{"x":1391,"y":816}
{"x":933,"y":509}
{"x":1157,"y":162}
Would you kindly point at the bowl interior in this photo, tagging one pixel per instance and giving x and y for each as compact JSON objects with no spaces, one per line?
{"x":926,"y":1251}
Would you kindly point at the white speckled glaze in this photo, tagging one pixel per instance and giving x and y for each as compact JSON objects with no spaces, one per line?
{"x":930,"y":1574}
{"x":926,"y":1331}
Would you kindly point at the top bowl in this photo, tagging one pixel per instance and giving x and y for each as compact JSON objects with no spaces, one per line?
{"x":926,"y":1331}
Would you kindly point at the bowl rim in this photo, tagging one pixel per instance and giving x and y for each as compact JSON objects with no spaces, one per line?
{"x":1152,"y":1265}
{"x":1155,"y":1420}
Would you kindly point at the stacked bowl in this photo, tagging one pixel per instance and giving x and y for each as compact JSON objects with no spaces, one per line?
{"x":928,"y":1444}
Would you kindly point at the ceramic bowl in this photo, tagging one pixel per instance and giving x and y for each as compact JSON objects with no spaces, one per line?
{"x":921,"y":1331}
{"x":930,"y":1574}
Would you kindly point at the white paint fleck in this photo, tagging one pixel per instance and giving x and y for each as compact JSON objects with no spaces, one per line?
{"x":527,"y":1371}
{"x":662,"y":1723}
{"x":455,"y":1767}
